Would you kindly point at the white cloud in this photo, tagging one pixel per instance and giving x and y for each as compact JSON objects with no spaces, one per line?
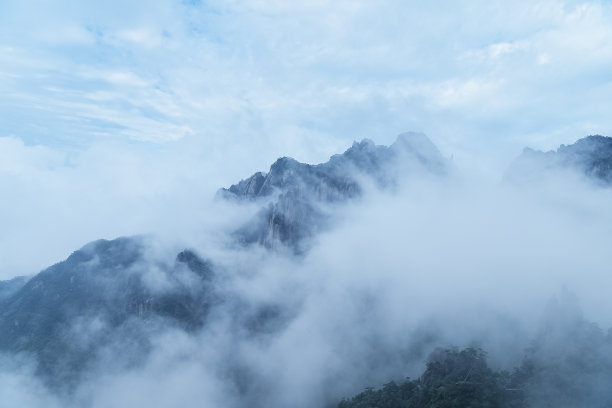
{"x":141,"y":36}
{"x":247,"y":82}
{"x":122,"y":78}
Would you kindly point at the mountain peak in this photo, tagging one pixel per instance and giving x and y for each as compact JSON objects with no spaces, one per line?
{"x":415,"y":142}
{"x":411,"y":136}
{"x":416,"y":148}
{"x":301,"y":188}
{"x":284,"y":163}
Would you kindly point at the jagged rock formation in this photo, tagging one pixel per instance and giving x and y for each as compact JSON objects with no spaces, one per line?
{"x":299,"y":194}
{"x":590,"y":156}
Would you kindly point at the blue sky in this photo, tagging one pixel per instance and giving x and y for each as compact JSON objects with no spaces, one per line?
{"x":298,"y":74}
{"x":111,"y":107}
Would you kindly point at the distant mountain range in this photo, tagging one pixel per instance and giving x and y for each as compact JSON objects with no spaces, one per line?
{"x":118,"y":294}
{"x":590,"y":156}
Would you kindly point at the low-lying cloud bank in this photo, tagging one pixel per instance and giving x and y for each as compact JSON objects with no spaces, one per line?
{"x":435,"y":262}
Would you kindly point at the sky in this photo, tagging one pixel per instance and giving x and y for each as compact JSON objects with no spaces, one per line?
{"x":120,"y":118}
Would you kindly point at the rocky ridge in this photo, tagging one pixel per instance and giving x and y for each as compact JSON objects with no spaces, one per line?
{"x":300,"y":194}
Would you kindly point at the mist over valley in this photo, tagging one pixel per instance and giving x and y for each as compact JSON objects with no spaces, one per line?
{"x":339,"y":276}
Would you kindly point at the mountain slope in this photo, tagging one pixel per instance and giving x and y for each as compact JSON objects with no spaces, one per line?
{"x":110,"y":291}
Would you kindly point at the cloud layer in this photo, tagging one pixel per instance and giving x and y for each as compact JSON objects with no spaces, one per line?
{"x":439,"y":262}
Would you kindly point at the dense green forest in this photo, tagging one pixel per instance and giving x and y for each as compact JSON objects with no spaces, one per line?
{"x":568,"y":366}
{"x":453,"y":379}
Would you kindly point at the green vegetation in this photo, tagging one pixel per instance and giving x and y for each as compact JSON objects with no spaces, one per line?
{"x":453,"y":379}
{"x":567,"y":365}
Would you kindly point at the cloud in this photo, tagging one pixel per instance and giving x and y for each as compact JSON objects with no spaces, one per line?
{"x":460,"y":261}
{"x":314,"y":70}
{"x":19,"y":387}
{"x":56,"y":201}
{"x":439,"y":263}
{"x":465,"y":263}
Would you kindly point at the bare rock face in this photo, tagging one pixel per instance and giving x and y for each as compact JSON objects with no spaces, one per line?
{"x":590,"y":156}
{"x":298,"y":193}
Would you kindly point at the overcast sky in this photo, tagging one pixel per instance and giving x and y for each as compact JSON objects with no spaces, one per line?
{"x":117,"y":116}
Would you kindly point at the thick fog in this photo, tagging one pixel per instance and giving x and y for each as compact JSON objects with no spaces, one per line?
{"x":437,"y":261}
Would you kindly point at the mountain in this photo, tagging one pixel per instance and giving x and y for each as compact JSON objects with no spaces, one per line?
{"x":107,"y":301}
{"x":112,"y":292}
{"x":298,"y":196}
{"x":590,"y":156}
{"x":117,"y":293}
